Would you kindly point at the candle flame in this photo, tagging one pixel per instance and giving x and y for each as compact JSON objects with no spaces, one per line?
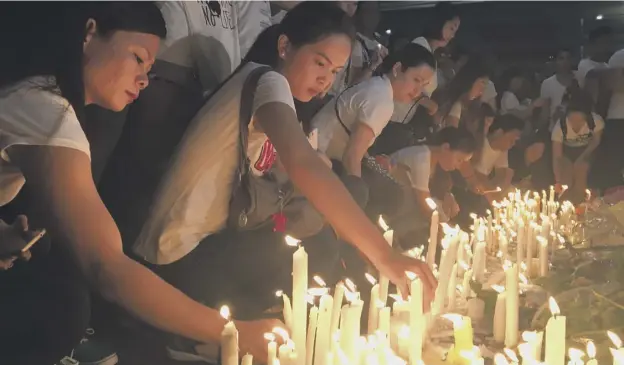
{"x":488,"y":212}
{"x":542,"y":241}
{"x":351,"y":296}
{"x":523,"y":279}
{"x":591,"y":349}
{"x":464,"y":265}
{"x":529,"y":336}
{"x":279,"y":293}
{"x":554,"y":307}
{"x":507,"y":265}
{"x":575,"y":354}
{"x":371,"y":279}
{"x":382,"y":224}
{"x":499,"y":359}
{"x":588,"y":192}
{"x":349,"y":284}
{"x":290,"y":241}
{"x":432,"y":205}
{"x":498,"y":288}
{"x":445,"y":243}
{"x":317,"y":292}
{"x":512,"y":355}
{"x":269,"y":336}
{"x":564,"y":188}
{"x":404,"y":332}
{"x":615,"y":339}
{"x":309,"y":298}
{"x":525,"y":350}
{"x":319,"y":281}
{"x":617,"y":354}
{"x":396,"y":297}
{"x":457,"y":319}
{"x":282,"y":333}
{"x":473,"y":216}
{"x":410,"y":275}
{"x":225,"y":312}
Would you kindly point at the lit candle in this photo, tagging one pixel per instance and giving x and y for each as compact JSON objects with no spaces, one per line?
{"x":350,"y":325}
{"x":500,"y":359}
{"x":504,"y":246}
{"x":512,"y":356}
{"x":383,"y":280}
{"x":479,"y":260}
{"x":446,"y":266}
{"x":312,"y":325}
{"x":323,"y":336}
{"x":591,"y":353}
{"x":552,"y":196}
{"x":416,"y":321}
{"x":271,"y":348}
{"x":247,"y":360}
{"x":555,"y":335}
{"x":403,"y":338}
{"x":299,"y":305}
{"x":433,"y":233}
{"x":338,"y":297}
{"x":229,"y":340}
{"x":285,"y":352}
{"x":498,"y":327}
{"x":462,"y":331}
{"x":530,"y":248}
{"x":384,"y":320}
{"x":466,"y":289}
{"x":617,"y":352}
{"x":287,"y":311}
{"x":373,"y":311}
{"x":512,"y":304}
{"x":520,"y":247}
{"x":543,"y":256}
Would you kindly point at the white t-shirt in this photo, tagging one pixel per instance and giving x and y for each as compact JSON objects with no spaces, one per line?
{"x":584,"y":67}
{"x":553,"y":90}
{"x":489,"y":94}
{"x":580,"y":138}
{"x":253,"y":18}
{"x":456,"y":110}
{"x":201,"y":38}
{"x":369,"y":102}
{"x":509,"y":102}
{"x":402,"y":112}
{"x":491,"y":159}
{"x":616,"y":105}
{"x":418,"y":160}
{"x":192,"y":201}
{"x":32,"y":116}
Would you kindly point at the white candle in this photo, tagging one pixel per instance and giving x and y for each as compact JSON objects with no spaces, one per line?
{"x":404,"y":341}
{"x":512,"y":305}
{"x":466,"y":289}
{"x":350,"y":326}
{"x":323,"y":336}
{"x":285,"y":352}
{"x":533,"y":344}
{"x":446,"y":266}
{"x":503,"y":244}
{"x":383,"y":281}
{"x":478,"y":265}
{"x":462,"y":331}
{"x":416,"y":320}
{"x":543,"y":256}
{"x":299,"y":305}
{"x":555,"y":335}
{"x":287,"y":311}
{"x":373,"y":310}
{"x":247,"y":360}
{"x":229,"y":340}
{"x":338,"y":297}
{"x":452,"y":289}
{"x":312,"y":325}
{"x":384,"y":321}
{"x":521,"y":242}
{"x":552,"y":196}
{"x":500,"y":318}
{"x":433,"y":233}
{"x":271,"y":348}
{"x":591,"y":353}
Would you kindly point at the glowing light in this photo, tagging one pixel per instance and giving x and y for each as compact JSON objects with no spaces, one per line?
{"x":457,"y":319}
{"x":279,"y":293}
{"x":382,"y":224}
{"x":319,"y":280}
{"x":529,"y":336}
{"x":499,"y":359}
{"x":575,"y":354}
{"x":511,"y":355}
{"x":317,"y":292}
{"x":349,"y":284}
{"x":591,"y":349}
{"x":553,"y":306}
{"x":269,"y":336}
{"x":498,"y":288}
{"x":615,"y":339}
{"x":599,"y":17}
{"x":225,"y":312}
{"x":404,"y":332}
{"x":432,"y":205}
{"x":282,"y":333}
{"x":371,"y":279}
{"x":290,"y":241}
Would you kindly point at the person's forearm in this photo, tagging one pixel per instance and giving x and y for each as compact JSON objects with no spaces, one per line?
{"x":352,"y":164}
{"x":557,"y":168}
{"x":325,"y":191}
{"x":150,"y":298}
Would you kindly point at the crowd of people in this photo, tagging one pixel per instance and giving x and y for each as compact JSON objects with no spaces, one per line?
{"x":168,"y":149}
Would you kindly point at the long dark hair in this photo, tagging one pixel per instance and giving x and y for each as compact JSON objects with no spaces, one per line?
{"x":46,"y":39}
{"x":306,"y":23}
{"x":412,"y":55}
{"x":460,"y":84}
{"x":443,"y":12}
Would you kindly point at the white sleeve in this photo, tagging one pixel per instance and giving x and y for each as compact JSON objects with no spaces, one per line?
{"x":544,"y":90}
{"x":557,"y":133}
{"x":599,"y":122}
{"x":502,"y":161}
{"x":374,"y":112}
{"x":509,"y":102}
{"x":357,"y":58}
{"x":253,"y":18}
{"x":176,"y":21}
{"x":31,"y":116}
{"x":456,"y":110}
{"x":617,"y":60}
{"x":420,"y":171}
{"x":272,"y":87}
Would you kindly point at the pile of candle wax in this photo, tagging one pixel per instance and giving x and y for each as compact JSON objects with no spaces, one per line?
{"x":323,"y":328}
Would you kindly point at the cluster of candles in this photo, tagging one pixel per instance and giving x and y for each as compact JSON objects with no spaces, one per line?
{"x":329,"y":333}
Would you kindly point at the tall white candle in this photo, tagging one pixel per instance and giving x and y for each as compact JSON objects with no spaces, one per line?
{"x":271,"y":348}
{"x":478,"y":264}
{"x":543,"y":256}
{"x":300,"y":288}
{"x":229,"y":340}
{"x":285,"y":353}
{"x":416,"y":321}
{"x":446,"y":266}
{"x":323,"y":336}
{"x":350,"y":327}
{"x":247,"y":360}
{"x":433,"y":233}
{"x":520,"y":247}
{"x":287,"y":309}
{"x":384,"y":321}
{"x":452,"y":289}
{"x":512,"y":305}
{"x":335,"y":318}
{"x":311,"y":335}
{"x":533,"y":343}
{"x":499,"y":315}
{"x":555,"y":335}
{"x":373,"y":309}
{"x":503,"y":244}
{"x":383,"y":280}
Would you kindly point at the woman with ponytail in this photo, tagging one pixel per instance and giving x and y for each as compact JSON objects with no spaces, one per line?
{"x":186,"y":234}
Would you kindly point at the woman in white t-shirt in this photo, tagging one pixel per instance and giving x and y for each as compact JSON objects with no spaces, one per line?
{"x":575,"y":138}
{"x":190,"y":210}
{"x":512,"y":84}
{"x":72,"y":55}
{"x":467,"y":86}
{"x":450,"y":148}
{"x":349,"y":123}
